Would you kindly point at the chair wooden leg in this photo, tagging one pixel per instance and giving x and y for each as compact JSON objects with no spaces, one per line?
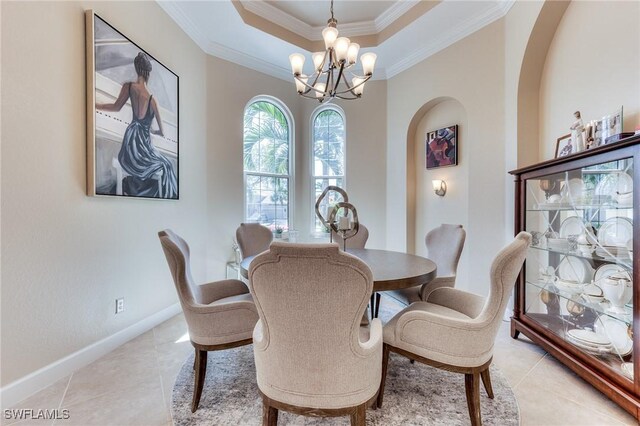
{"x":358,"y":418}
{"x":472,"y":387}
{"x":269,"y":414}
{"x":377,"y":304}
{"x":486,"y":381}
{"x":383,"y":379}
{"x":201,"y":372}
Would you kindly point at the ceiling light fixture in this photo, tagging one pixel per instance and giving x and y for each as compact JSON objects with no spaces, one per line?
{"x":329,"y":78}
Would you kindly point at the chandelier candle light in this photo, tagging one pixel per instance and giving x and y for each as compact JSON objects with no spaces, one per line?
{"x":329,"y":78}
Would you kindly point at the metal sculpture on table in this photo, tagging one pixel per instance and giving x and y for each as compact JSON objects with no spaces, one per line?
{"x":348,"y":228}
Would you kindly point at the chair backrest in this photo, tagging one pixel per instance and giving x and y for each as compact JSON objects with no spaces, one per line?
{"x":444,"y":247}
{"x":253,"y":238}
{"x":310,"y":299}
{"x":504,"y":272}
{"x":357,"y":241}
{"x":176,"y":250}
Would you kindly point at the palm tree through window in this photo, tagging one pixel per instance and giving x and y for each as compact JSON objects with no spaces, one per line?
{"x":267,"y":168}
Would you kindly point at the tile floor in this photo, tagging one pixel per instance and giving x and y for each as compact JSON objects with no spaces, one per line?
{"x":132,"y":385}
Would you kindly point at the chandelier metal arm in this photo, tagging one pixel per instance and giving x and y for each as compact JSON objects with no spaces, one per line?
{"x":335,"y":87}
{"x":348,"y":90}
{"x":329,"y":82}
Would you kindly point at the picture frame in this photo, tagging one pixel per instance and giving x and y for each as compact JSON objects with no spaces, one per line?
{"x":611,"y":125}
{"x":564,"y":146}
{"x":441,"y":147}
{"x":133,"y":147}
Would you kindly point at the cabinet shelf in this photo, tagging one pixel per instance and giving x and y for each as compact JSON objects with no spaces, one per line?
{"x":548,"y":208}
{"x":558,"y":326}
{"x":622,"y":261}
{"x":597,"y":308}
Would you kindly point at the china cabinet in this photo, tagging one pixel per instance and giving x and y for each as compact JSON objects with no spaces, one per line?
{"x":578,"y":293}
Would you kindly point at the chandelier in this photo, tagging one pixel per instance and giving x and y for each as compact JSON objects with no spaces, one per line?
{"x":329,"y":79}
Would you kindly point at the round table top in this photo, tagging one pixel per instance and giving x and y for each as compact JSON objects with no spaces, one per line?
{"x":391,"y":270}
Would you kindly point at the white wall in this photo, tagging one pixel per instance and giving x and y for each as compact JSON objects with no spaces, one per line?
{"x":593,"y":65}
{"x":431,"y":209}
{"x":66,"y":257}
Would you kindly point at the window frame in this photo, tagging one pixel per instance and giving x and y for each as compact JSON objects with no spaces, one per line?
{"x":313,"y":176}
{"x":291,"y":175}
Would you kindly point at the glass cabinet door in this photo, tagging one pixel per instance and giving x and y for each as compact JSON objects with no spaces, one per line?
{"x":579,"y":268}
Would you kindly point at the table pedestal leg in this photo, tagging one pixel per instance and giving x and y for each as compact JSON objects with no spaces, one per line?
{"x":375,"y":304}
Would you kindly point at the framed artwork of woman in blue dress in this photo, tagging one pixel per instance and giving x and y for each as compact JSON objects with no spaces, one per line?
{"x":132,"y":118}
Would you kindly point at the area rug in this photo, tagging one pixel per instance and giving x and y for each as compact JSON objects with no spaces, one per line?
{"x":415,"y":394}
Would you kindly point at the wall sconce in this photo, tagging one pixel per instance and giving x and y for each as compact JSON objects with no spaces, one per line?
{"x":440,"y":187}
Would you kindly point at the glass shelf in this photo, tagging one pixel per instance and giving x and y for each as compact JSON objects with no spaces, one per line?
{"x":558,"y":326}
{"x":547,"y":208}
{"x":598,"y":308}
{"x":624,"y":261}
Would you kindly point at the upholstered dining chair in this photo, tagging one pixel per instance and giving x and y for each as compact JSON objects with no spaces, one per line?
{"x":357,"y":241}
{"x":220,"y":315}
{"x":455,"y":330}
{"x":444,"y":247}
{"x":253,"y":238}
{"x":312,"y":358}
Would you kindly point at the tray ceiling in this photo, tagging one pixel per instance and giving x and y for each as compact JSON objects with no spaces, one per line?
{"x":262,"y":34}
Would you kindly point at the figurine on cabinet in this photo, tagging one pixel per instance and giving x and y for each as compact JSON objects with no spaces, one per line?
{"x":577,"y":130}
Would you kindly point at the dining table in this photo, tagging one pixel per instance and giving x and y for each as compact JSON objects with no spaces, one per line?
{"x":392,"y":270}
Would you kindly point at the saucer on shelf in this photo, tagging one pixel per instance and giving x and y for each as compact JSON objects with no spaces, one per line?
{"x":616,"y":332}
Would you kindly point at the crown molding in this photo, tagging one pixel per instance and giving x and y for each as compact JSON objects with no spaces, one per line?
{"x":314,"y":33}
{"x":283,"y":19}
{"x":249,"y":61}
{"x":455,"y":34}
{"x":173,"y":9}
{"x":301,"y":28}
{"x":394,"y":12}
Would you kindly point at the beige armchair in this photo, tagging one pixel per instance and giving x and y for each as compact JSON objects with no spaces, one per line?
{"x":310,"y":356}
{"x":444,"y":247}
{"x":455,"y":330}
{"x":220,"y":315}
{"x":253,"y":238}
{"x":357,"y":241}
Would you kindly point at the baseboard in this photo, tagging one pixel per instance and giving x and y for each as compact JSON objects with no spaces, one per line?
{"x":16,"y":391}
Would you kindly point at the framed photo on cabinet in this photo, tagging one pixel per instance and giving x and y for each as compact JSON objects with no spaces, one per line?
{"x":132,"y":117}
{"x":442,"y":147}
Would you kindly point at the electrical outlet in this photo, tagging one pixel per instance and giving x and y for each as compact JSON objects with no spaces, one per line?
{"x":119,"y":305}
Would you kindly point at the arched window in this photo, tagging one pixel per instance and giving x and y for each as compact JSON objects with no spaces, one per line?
{"x":268,"y":130}
{"x":328,"y":155}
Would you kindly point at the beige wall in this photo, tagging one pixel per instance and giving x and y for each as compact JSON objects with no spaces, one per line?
{"x":431,"y":209}
{"x":471,"y":72}
{"x":66,"y":257}
{"x":365,"y":155}
{"x":229,"y":88}
{"x":593,"y":65}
